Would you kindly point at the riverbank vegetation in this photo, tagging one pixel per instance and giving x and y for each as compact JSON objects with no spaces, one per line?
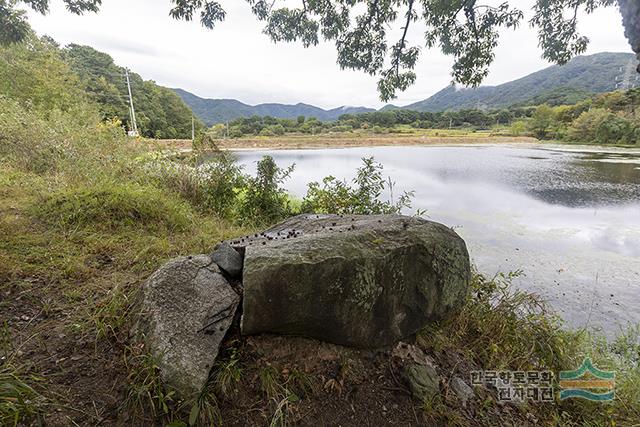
{"x":609,"y":118}
{"x":86,"y":215}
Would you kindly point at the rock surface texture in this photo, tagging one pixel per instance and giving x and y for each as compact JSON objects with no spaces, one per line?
{"x":630,"y":10}
{"x":363,"y":281}
{"x":228,"y":259}
{"x":187,"y":308}
{"x":462,"y":390}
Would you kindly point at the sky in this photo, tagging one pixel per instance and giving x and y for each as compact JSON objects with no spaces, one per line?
{"x":236,"y":60}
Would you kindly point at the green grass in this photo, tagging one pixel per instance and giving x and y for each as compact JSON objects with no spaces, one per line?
{"x":270,"y":383}
{"x":227,"y":373}
{"x":146,"y":394}
{"x":81,"y":267}
{"x":17,"y":397}
{"x":502,"y":329}
{"x":110,"y":205}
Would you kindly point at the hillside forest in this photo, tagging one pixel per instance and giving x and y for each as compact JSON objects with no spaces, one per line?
{"x":44,"y":68}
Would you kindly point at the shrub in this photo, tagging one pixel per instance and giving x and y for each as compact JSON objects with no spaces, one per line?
{"x":364,"y":197}
{"x":542,"y":121}
{"x":113,"y":205}
{"x":614,"y":130}
{"x":266,"y":132}
{"x":265,"y":201}
{"x":584,"y":127}
{"x":74,"y":142}
{"x":601,"y":126}
{"x":221,"y":179}
{"x":341,"y":128}
{"x":277,"y":129}
{"x":518,"y":127}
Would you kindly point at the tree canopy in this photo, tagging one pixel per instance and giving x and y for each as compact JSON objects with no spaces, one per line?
{"x":467,"y":30}
{"x":160,"y":111}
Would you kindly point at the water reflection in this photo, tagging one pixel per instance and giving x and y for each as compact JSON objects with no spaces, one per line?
{"x":570,"y":220}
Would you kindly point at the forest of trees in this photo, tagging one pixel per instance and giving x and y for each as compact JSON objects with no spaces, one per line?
{"x":377,"y":122}
{"x":160,"y":112}
{"x":609,"y":118}
{"x":87,"y":75}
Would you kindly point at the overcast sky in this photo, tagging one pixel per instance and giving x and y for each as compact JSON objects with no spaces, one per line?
{"x":235,"y":60}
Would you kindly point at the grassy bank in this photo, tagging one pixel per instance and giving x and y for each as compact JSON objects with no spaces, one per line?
{"x":82,"y":229}
{"x":86,"y":215}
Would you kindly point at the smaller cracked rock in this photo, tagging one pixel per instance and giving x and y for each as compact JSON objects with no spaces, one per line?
{"x":228,"y":259}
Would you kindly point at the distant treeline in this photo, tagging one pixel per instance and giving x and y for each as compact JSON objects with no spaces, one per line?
{"x":377,"y":122}
{"x":608,"y":118}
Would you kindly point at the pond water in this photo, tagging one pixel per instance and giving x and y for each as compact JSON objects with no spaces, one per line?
{"x":570,"y":220}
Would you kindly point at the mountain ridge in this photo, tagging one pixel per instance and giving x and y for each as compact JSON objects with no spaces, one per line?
{"x":580,"y":78}
{"x":221,"y":110}
{"x":595,"y":73}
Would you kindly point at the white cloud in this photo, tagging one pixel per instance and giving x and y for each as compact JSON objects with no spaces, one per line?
{"x":235,"y":60}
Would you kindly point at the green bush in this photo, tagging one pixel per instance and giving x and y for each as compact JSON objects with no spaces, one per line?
{"x":341,"y":128}
{"x":599,"y":125}
{"x":221,"y":179}
{"x":276,"y":129}
{"x":72,"y":142}
{"x":264,"y":200}
{"x":615,"y":130}
{"x":585,"y":125}
{"x":543,"y":121}
{"x":363,"y":197}
{"x":266,"y":132}
{"x":518,"y":127}
{"x":113,"y":205}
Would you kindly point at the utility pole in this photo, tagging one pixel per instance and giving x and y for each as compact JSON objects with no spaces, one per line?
{"x":132,"y":111}
{"x":193,"y":129}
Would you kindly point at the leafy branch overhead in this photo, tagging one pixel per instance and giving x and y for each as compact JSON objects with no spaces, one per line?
{"x":363,"y":30}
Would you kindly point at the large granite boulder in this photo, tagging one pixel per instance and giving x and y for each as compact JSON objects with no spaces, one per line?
{"x":630,"y":10}
{"x":363,"y":281}
{"x":187,"y":308}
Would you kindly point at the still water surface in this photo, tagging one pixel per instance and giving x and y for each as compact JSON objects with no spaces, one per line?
{"x":569,"y":220}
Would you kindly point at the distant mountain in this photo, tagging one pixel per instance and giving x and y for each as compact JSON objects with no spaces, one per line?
{"x":212,"y":111}
{"x":580,"y":77}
